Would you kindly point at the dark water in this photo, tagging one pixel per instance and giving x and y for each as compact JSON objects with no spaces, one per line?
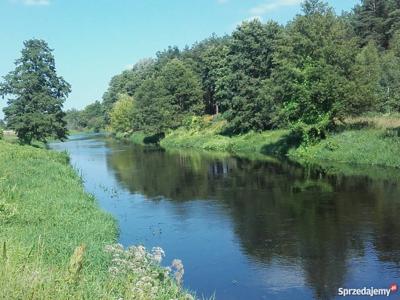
{"x":249,"y":229}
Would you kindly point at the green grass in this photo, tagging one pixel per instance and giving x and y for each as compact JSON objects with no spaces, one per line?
{"x":46,"y":216}
{"x":209,"y":139}
{"x":372,"y":145}
{"x":378,"y":147}
{"x":137,"y":138}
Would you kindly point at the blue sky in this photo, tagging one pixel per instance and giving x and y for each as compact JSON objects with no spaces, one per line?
{"x":96,"y":39}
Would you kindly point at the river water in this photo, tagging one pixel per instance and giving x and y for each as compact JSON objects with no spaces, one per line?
{"x":249,"y":229}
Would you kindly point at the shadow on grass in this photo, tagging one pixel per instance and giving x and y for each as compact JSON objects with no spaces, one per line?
{"x":283,"y":145}
{"x":153,"y":139}
{"x":392,"y":132}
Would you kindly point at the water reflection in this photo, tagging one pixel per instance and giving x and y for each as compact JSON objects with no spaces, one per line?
{"x":340,"y":230}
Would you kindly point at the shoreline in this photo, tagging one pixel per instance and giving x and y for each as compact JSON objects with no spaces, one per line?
{"x":360,"y":150}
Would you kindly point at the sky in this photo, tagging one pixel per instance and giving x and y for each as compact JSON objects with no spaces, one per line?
{"x":94,"y":40}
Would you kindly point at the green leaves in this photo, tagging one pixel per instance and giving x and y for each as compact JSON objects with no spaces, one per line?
{"x":166,"y":98}
{"x":123,"y":116}
{"x":37,"y":95}
{"x":250,"y":62}
{"x":377,"y":21}
{"x":318,"y":69}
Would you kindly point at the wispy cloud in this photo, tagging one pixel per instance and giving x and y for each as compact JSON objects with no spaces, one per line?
{"x":272,"y":5}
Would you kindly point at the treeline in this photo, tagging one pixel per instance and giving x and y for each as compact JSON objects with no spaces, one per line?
{"x":312,"y":73}
{"x":92,"y":117}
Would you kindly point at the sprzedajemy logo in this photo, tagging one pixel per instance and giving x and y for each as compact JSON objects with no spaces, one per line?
{"x":368,"y":291}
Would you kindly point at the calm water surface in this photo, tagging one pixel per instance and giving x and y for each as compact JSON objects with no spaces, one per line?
{"x":248,"y":229}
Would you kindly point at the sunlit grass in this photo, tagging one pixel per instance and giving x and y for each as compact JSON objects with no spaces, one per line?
{"x":371,"y":140}
{"x":377,"y":147}
{"x":53,"y":234}
{"x":376,"y":121}
{"x":210,"y":138}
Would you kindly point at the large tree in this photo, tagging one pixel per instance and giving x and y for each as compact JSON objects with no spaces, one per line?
{"x":377,"y":20}
{"x":37,"y":95}
{"x":127,"y":83}
{"x":250,"y":61}
{"x":123,"y":116}
{"x":312,"y":80}
{"x":165,"y":99}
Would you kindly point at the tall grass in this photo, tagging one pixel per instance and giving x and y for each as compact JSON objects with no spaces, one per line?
{"x":376,"y":147}
{"x":376,"y":121}
{"x":53,"y":235}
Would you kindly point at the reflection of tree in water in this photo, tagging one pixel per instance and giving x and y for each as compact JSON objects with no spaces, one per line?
{"x":279,"y":210}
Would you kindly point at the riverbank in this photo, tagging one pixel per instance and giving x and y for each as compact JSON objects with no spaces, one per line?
{"x":375,"y":143}
{"x":54,"y":237}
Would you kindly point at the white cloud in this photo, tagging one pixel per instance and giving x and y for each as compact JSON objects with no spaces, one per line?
{"x":272,"y":5}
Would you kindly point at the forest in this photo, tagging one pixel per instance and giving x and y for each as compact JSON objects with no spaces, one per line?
{"x":310,"y":76}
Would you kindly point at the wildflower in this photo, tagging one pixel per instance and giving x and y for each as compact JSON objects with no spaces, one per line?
{"x":158,"y":254}
{"x":189,"y":297}
{"x":177,"y":266}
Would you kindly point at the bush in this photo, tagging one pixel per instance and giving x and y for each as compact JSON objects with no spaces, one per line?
{"x":306,"y":134}
{"x":1,"y":133}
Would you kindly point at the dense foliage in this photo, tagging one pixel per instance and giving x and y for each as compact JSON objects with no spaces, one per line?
{"x":36,"y":95}
{"x":90,"y":118}
{"x":309,"y":75}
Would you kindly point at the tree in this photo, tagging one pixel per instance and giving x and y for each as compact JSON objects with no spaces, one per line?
{"x":93,"y":116}
{"x":377,"y":20}
{"x":390,"y":77}
{"x":312,"y":80}
{"x":250,"y":61}
{"x":390,"y":83}
{"x":311,"y":7}
{"x":37,"y":95}
{"x":127,"y":82}
{"x":183,"y":87}
{"x":73,"y":117}
{"x":154,"y":111}
{"x":166,"y":99}
{"x":214,"y":72}
{"x":123,"y":116}
{"x":367,"y":74}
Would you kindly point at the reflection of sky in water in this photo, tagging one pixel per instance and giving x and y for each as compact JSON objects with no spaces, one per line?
{"x":247,"y":230}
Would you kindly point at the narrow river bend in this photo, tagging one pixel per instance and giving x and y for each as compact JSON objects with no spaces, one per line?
{"x":248,"y":229}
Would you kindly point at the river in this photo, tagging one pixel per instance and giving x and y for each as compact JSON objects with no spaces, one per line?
{"x":248,"y":229}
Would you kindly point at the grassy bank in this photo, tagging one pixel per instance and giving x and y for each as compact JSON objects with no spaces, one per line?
{"x":364,"y":141}
{"x":53,"y":237}
{"x":366,"y":146}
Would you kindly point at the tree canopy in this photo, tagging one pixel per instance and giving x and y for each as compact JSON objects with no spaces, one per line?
{"x":36,"y":95}
{"x":316,"y":70}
